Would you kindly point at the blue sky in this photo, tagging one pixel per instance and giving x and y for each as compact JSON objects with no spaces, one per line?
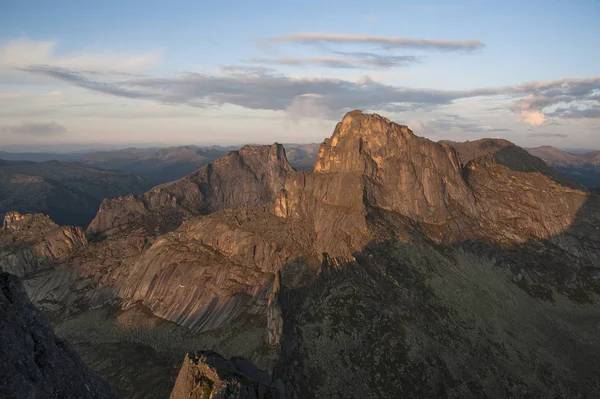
{"x":229,"y":72}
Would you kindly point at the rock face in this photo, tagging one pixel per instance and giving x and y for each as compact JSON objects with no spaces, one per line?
{"x":34,"y":242}
{"x":398,"y":267}
{"x":248,"y":177}
{"x":34,"y":363}
{"x":207,"y":375}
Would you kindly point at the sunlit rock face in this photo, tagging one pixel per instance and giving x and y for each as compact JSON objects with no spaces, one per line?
{"x":207,"y":375}
{"x":38,"y":243}
{"x":251,"y":176}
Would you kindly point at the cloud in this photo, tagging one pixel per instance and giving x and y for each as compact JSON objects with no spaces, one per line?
{"x":255,"y":91}
{"x":265,"y":89}
{"x":548,"y":135}
{"x":574,"y":112}
{"x":24,"y":53}
{"x":372,"y":18}
{"x":570,"y":98}
{"x":456,"y":122}
{"x":35,"y":129}
{"x":308,"y":105}
{"x":380,"y":41}
{"x":359,"y":60}
{"x":532,"y":118}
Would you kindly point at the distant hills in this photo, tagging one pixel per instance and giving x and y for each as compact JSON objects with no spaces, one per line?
{"x":160,"y":165}
{"x":582,"y":167}
{"x":69,"y":193}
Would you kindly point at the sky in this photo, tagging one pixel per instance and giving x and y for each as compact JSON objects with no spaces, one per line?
{"x":80,"y":74}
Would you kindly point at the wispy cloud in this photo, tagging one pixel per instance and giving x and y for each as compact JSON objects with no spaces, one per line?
{"x":574,"y":112}
{"x":380,"y":41}
{"x":456,"y":123}
{"x":548,"y":135}
{"x":264,"y":88}
{"x":24,"y":53}
{"x":35,"y":129}
{"x":358,"y":60}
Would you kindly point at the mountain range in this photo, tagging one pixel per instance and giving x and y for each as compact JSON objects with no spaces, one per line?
{"x":395,"y":267}
{"x":68,"y":192}
{"x":582,"y":167}
{"x":158,"y":165}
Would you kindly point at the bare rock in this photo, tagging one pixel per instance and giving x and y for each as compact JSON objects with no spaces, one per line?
{"x":207,"y":375}
{"x":35,"y":363}
{"x":250,"y":176}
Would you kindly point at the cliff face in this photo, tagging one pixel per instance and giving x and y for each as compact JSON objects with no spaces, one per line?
{"x":399,"y":265}
{"x":35,"y":363}
{"x":247,"y":177}
{"x":29,"y":243}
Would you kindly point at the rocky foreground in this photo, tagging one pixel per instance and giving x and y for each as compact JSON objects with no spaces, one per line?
{"x":398,"y":267}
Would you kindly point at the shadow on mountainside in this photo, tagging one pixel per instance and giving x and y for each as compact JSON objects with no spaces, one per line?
{"x":472,"y":319}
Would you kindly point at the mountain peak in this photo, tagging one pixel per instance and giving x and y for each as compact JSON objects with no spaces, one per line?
{"x":368,"y":124}
{"x":359,"y":140}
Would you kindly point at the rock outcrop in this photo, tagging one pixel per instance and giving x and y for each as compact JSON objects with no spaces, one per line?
{"x":31,"y":242}
{"x":207,"y":375}
{"x":251,"y":176}
{"x":35,"y":363}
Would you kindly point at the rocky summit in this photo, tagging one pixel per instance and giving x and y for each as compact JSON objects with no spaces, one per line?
{"x":397,"y":267}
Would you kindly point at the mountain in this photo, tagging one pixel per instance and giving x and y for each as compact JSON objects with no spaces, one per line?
{"x":582,"y":167}
{"x":158,"y":165}
{"x":35,"y":363}
{"x":251,"y":176}
{"x":396,"y":267}
{"x":36,"y":156}
{"x":161,"y":165}
{"x":69,"y":193}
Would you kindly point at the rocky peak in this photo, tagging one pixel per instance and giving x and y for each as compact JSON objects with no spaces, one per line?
{"x":17,"y":221}
{"x":41,"y":242}
{"x":374,"y":162}
{"x":208,"y":375}
{"x":357,"y":141}
{"x":470,"y":150}
{"x":253,"y":175}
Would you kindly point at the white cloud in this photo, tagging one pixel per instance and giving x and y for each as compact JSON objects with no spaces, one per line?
{"x":387,"y":42}
{"x":23,"y":53}
{"x":532,"y":118}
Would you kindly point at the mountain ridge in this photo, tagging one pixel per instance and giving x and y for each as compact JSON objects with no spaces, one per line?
{"x":391,"y":268}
